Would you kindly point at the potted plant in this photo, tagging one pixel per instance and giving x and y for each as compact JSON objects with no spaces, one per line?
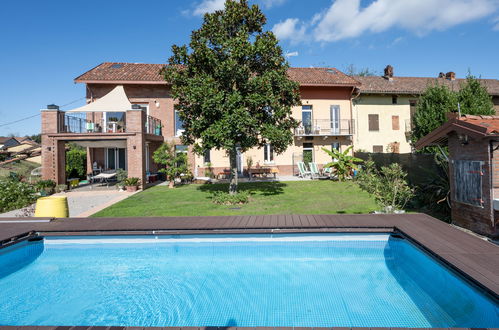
{"x":131,"y":184}
{"x":121,"y":175}
{"x":45,"y":187}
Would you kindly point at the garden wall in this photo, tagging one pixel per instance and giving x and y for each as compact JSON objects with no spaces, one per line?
{"x":417,"y":166}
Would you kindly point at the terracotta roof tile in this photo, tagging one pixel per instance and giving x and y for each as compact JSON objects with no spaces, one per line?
{"x":138,"y":72}
{"x":490,"y":123}
{"x":415,"y":85}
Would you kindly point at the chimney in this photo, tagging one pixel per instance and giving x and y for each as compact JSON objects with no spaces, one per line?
{"x":450,"y":76}
{"x":441,"y":75}
{"x":389,"y":72}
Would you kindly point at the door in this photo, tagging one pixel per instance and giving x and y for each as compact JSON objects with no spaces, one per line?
{"x":335,"y":119}
{"x":115,"y":158}
{"x":240,"y":161}
{"x":306,"y":118}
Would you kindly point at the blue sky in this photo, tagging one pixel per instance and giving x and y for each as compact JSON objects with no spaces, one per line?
{"x":46,"y":44}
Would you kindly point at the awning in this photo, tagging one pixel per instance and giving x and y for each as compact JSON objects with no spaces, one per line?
{"x":114,"y":101}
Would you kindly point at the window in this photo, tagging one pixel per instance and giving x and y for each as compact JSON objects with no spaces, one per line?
{"x":394,"y":100}
{"x":373,"y":123}
{"x":179,"y":124}
{"x":268,"y":153}
{"x":115,"y":158}
{"x":334,"y":111}
{"x":308,"y":153}
{"x":335,"y":145}
{"x":207,"y":156}
{"x":377,"y":149}
{"x":395,"y":123}
{"x":468,"y":182}
{"x":306,"y":118}
{"x":180,"y":149}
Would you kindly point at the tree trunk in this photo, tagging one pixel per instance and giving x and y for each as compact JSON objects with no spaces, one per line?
{"x":233,"y":171}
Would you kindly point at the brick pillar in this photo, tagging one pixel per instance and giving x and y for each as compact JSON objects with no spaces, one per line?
{"x":51,"y":119}
{"x":136,"y":145}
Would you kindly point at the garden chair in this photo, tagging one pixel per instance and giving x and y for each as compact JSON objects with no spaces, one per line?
{"x":303,"y":172}
{"x":314,"y":170}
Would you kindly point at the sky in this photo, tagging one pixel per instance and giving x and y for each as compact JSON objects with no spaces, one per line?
{"x":44,"y":45}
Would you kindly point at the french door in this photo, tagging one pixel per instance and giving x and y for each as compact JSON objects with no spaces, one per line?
{"x":335,"y":119}
{"x":116,"y":158}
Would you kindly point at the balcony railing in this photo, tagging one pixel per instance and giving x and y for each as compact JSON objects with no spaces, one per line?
{"x":153,"y":126}
{"x":73,"y":123}
{"x":326,"y":127}
{"x":76,"y":124}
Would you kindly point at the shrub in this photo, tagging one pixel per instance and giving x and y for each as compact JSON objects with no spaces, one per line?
{"x":223,"y":198}
{"x":173,"y":164}
{"x":121,"y":175}
{"x":76,"y":162}
{"x":343,"y":164}
{"x":131,"y":182}
{"x":15,"y":194}
{"x":388,"y":186}
{"x":45,"y":186}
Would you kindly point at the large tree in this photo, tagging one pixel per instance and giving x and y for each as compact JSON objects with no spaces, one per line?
{"x":231,"y":85}
{"x":437,"y":100}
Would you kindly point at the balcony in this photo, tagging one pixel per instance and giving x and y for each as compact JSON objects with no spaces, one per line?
{"x":80,"y":124}
{"x":326,"y":127}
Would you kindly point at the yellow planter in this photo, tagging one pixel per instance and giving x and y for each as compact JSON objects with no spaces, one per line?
{"x":52,"y":207}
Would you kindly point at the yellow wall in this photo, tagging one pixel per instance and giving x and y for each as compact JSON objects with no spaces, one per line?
{"x":320,"y":110}
{"x":381,"y":105}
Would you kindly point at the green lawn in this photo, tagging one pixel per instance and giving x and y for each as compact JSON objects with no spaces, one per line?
{"x":298,"y":197}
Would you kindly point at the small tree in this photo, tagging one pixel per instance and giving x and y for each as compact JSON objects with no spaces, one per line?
{"x":343,"y":162}
{"x":76,"y":161}
{"x":474,"y":99}
{"x":173,"y":164}
{"x":232,"y":86}
{"x":388,"y":186}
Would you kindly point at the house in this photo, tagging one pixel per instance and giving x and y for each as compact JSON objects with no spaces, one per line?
{"x":473,"y":143}
{"x":383,"y":107}
{"x":12,"y":141}
{"x":129,"y":113}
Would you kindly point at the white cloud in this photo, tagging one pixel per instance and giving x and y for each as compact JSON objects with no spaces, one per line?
{"x":290,"y":29}
{"x":291,"y":54}
{"x":208,"y":6}
{"x":272,"y":3}
{"x":496,"y":24}
{"x":347,"y":19}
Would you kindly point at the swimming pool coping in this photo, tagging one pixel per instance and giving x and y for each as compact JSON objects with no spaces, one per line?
{"x":472,"y":257}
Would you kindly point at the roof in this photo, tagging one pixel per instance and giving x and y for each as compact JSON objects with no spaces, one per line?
{"x":478,"y":127}
{"x":321,"y":77}
{"x":150,"y":73}
{"x":415,"y":85}
{"x":123,"y":72}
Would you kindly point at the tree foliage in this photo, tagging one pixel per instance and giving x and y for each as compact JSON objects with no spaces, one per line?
{"x":173,"y":164}
{"x":438,"y":100}
{"x":387,"y":185}
{"x":232,"y":86}
{"x":343,"y":163}
{"x":76,"y":162}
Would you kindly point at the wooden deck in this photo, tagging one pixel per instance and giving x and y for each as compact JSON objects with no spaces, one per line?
{"x":474,"y":258}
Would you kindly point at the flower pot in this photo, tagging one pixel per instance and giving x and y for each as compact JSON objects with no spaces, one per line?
{"x":131,"y":188}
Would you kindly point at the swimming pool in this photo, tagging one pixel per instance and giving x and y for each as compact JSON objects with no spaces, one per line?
{"x":312,"y":280}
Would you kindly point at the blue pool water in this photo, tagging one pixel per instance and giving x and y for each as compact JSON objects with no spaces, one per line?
{"x":315,"y":280}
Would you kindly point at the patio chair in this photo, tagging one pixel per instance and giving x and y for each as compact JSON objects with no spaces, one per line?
{"x":303,"y":172}
{"x":314,"y":170}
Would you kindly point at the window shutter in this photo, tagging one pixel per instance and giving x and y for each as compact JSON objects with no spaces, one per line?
{"x":374,"y":122}
{"x":395,"y":123}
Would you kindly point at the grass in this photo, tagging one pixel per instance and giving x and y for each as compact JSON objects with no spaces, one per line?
{"x":298,"y":197}
{"x":22,"y":167}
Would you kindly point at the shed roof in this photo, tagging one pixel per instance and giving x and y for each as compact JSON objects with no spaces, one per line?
{"x":478,"y":127}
